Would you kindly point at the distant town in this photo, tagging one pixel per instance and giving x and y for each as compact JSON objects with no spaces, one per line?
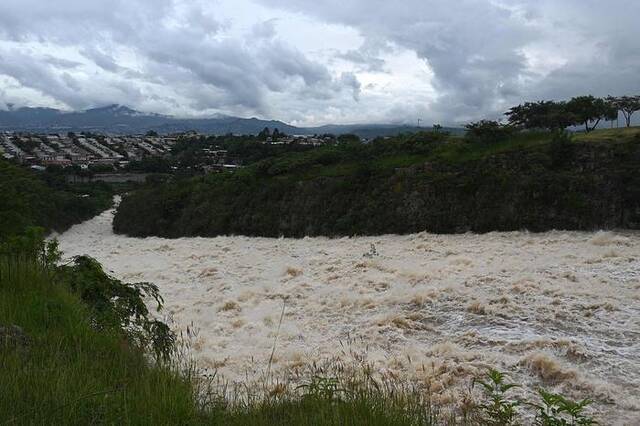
{"x":88,"y":151}
{"x":81,"y":150}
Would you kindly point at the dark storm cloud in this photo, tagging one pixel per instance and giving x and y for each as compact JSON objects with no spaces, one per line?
{"x":32,"y":73}
{"x":365,"y":61}
{"x":61,"y":63}
{"x":101,"y":59}
{"x":471,"y":46}
{"x":265,"y":29}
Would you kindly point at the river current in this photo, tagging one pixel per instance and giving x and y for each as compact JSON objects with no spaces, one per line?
{"x":559,"y":310}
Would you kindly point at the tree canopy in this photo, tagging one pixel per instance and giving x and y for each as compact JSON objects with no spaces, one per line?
{"x":488,"y":131}
{"x":588,"y":109}
{"x":540,"y":115}
{"x":628,"y":105}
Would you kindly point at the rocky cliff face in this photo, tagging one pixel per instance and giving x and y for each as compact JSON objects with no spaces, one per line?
{"x":596,"y":187}
{"x":578,"y":187}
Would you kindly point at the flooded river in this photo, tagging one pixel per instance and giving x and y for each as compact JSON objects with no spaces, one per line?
{"x":559,"y":310}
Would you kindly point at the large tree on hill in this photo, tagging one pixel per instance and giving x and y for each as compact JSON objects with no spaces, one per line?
{"x":588,"y":109}
{"x":276,"y":135}
{"x":488,"y":131}
{"x":541,"y":115}
{"x":628,"y":105}
{"x":264,"y":134}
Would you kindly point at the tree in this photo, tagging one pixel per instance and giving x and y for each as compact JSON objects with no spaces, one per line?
{"x":588,"y":109}
{"x":276,"y":135}
{"x":628,"y":105}
{"x":348,"y":138}
{"x":264,"y":134}
{"x":437,"y":128}
{"x":488,"y":131}
{"x":152,"y":134}
{"x":611,"y":111}
{"x":541,"y":115}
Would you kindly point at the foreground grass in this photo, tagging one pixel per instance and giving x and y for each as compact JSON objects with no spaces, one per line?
{"x":71,"y":374}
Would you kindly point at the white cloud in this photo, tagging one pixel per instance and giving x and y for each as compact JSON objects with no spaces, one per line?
{"x":316,"y":62}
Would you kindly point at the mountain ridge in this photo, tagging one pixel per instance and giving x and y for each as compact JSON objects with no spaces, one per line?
{"x":120,"y":119}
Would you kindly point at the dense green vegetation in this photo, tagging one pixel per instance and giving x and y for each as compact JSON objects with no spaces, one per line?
{"x":45,"y":200}
{"x":244,"y":149}
{"x":536,"y":180}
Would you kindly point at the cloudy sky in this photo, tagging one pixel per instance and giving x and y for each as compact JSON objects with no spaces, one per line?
{"x":315,"y":62}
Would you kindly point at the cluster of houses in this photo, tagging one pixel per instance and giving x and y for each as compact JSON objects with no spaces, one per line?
{"x":300,"y":140}
{"x":87,"y":150}
{"x":42,"y":150}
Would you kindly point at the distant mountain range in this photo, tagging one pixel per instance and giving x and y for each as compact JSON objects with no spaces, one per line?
{"x":118,"y":119}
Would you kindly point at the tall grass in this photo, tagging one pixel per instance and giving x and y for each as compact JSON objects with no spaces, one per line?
{"x":70,"y":373}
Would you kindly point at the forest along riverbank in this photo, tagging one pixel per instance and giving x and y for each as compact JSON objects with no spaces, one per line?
{"x":556,"y":309}
{"x":412,"y":183}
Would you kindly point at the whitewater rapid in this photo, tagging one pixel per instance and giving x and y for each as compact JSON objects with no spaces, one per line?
{"x":559,"y":310}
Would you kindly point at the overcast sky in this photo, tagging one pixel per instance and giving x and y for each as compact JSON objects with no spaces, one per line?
{"x":315,"y":62}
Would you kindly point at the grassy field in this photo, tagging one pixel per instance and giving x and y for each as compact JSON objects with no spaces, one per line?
{"x":617,"y":135}
{"x":456,"y":149}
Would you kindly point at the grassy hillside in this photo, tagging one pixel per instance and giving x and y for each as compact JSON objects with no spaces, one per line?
{"x":67,"y":372}
{"x":407,"y":184}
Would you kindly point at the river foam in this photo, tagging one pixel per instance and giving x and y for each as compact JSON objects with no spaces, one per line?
{"x":558,"y":309}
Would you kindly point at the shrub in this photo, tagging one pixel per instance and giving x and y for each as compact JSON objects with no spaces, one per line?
{"x":120,"y":306}
{"x":488,"y":131}
{"x":498,"y":409}
{"x":560,"y":148}
{"x":557,"y":410}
